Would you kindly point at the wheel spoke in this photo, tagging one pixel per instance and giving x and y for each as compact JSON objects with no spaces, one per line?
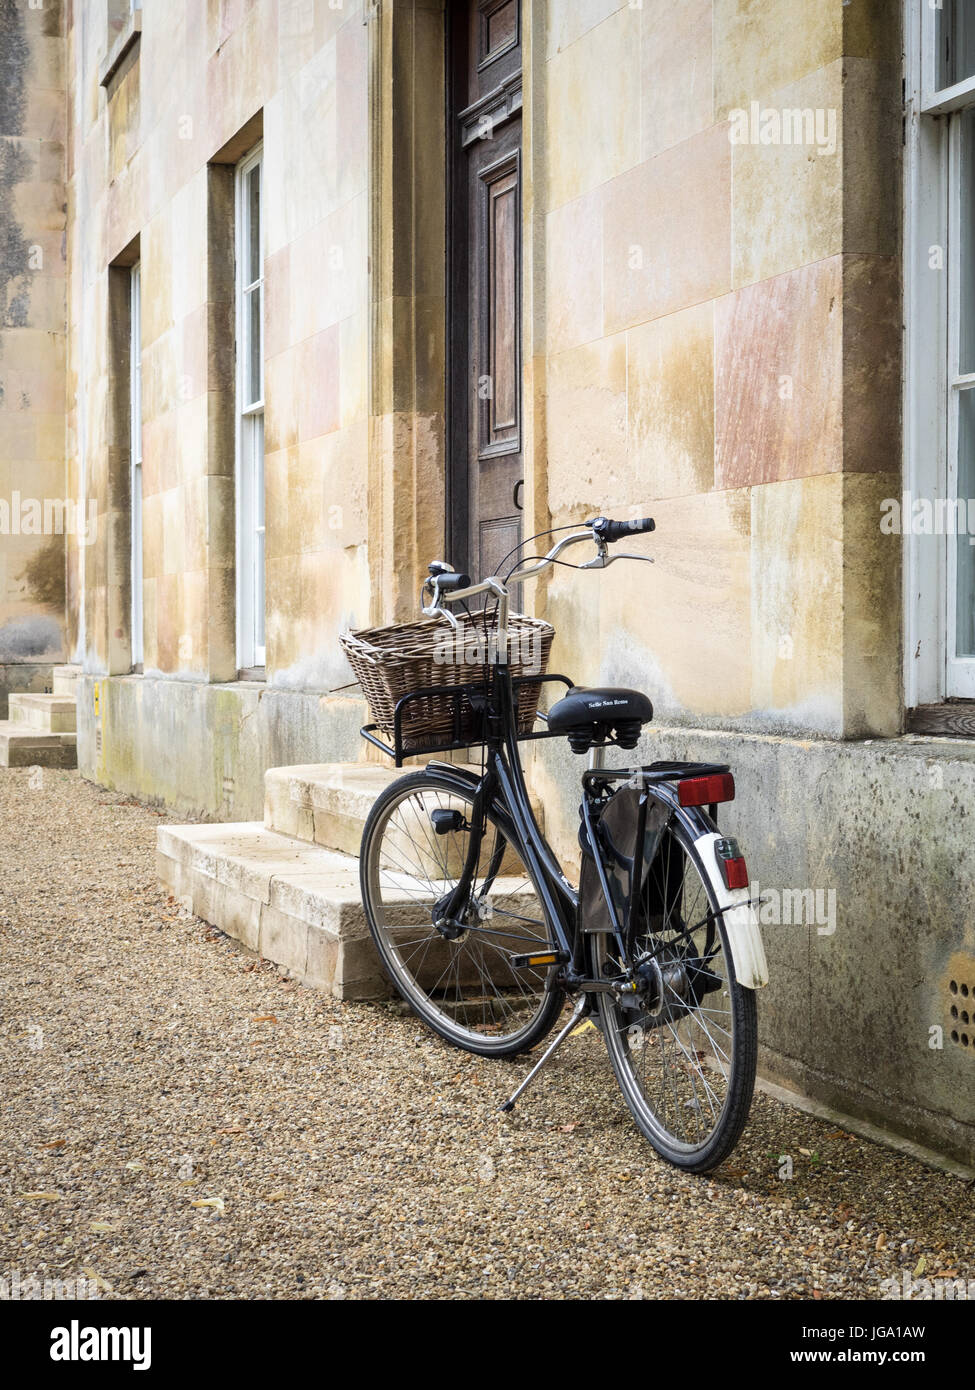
{"x":687,"y":1065}
{"x":462,"y":981}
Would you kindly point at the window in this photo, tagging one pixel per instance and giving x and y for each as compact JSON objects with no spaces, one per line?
{"x":938,"y":506}
{"x":135,"y":461}
{"x":250,"y":412}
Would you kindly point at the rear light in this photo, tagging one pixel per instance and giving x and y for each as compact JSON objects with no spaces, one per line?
{"x":732,"y":862}
{"x":706,"y":791}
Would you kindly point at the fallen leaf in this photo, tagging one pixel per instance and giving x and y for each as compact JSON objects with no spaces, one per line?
{"x":55,"y":1144}
{"x":838,"y":1134}
{"x":134,"y":1166}
{"x":232,"y":1129}
{"x":567,"y":1129}
{"x":188,"y":1182}
{"x":217,"y":1203}
{"x":881,"y":1241}
{"x":583,"y":1027}
{"x":41,"y":1196}
{"x":920,"y":1267}
{"x":96,"y":1278}
{"x":103,"y":1226}
{"x":817,"y":1294}
{"x":264,"y":1018}
{"x":278,"y":1197}
{"x":946,"y":1274}
{"x":807,"y":1152}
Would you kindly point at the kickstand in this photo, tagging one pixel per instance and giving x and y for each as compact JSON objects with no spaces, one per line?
{"x":556,"y":1043}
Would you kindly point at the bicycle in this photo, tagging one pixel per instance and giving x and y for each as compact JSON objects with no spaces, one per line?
{"x":486,"y":939}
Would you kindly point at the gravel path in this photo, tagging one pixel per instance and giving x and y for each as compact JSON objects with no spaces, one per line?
{"x":148,"y":1064}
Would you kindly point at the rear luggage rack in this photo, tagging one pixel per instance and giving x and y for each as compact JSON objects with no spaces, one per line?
{"x":654,"y":773}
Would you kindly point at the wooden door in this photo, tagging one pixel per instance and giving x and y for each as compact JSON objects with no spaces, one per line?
{"x":485,"y":473}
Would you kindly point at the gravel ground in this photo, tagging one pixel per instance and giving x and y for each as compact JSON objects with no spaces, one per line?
{"x":150,"y":1065}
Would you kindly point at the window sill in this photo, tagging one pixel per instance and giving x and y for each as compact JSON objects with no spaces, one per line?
{"x":123,"y":45}
{"x":253,"y":673}
{"x":954,"y":717}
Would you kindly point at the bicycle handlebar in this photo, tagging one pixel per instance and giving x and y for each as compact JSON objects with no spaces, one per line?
{"x":616,"y":530}
{"x":449,"y":586}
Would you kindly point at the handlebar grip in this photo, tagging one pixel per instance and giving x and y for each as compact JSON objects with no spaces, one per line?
{"x":451,"y":580}
{"x":616,"y":530}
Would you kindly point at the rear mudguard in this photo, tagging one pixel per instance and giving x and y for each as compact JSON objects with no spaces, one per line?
{"x":740,"y":918}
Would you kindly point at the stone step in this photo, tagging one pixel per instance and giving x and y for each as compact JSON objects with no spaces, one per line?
{"x":65,"y":680}
{"x":54,"y":714}
{"x":297,"y":904}
{"x":294,"y":902}
{"x":328,"y":803}
{"x":23,"y":745}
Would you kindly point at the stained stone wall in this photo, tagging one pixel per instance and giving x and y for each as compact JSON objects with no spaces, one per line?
{"x":32,"y":345}
{"x":151,"y":159}
{"x":717,"y":327}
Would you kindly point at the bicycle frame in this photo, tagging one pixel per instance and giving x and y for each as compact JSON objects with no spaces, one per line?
{"x":504,"y":769}
{"x":559,"y":899}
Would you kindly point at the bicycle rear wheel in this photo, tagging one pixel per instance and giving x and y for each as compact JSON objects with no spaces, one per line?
{"x":685,"y":1051}
{"x":465,"y":986}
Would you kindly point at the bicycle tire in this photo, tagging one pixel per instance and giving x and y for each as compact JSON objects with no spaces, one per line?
{"x":633,"y":1057}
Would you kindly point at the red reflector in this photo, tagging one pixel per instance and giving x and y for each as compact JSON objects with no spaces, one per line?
{"x":705,"y":791}
{"x":735,"y":872}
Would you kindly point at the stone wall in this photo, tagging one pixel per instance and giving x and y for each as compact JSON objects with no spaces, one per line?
{"x":152,"y":158}
{"x":32,"y":345}
{"x":716,"y":323}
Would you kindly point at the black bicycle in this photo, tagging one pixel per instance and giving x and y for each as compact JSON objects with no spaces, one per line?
{"x":486,"y":939}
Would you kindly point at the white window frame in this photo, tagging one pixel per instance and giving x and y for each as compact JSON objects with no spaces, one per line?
{"x":136,"y":582}
{"x":249,"y":462}
{"x":932,"y":671}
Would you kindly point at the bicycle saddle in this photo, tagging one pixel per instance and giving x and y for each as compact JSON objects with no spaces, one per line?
{"x":588,"y":713}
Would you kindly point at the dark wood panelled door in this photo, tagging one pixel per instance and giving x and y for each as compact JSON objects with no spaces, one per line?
{"x":484,"y":299}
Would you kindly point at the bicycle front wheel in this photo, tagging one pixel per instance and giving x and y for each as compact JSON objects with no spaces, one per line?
{"x":464,"y":984}
{"x":685,"y":1050}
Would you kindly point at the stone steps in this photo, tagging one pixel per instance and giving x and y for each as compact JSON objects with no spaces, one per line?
{"x":24,"y":745}
{"x":295,"y":903}
{"x":53,"y":714}
{"x":40,"y":730}
{"x":289,"y":888}
{"x":64,"y":680}
{"x":325,"y":803}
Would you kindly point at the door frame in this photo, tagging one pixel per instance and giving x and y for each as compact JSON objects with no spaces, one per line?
{"x":457,"y":405}
{"x":409,"y":275}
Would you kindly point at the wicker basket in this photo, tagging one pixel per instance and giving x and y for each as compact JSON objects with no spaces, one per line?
{"x":390,"y":662}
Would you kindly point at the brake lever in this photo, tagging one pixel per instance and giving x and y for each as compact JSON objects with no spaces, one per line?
{"x":435,"y":609}
{"x":602,"y":561}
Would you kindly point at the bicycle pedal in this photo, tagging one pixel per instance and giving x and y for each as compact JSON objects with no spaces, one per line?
{"x":540,"y":958}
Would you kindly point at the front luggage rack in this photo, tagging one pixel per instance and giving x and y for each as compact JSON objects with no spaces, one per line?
{"x":476,"y":697}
